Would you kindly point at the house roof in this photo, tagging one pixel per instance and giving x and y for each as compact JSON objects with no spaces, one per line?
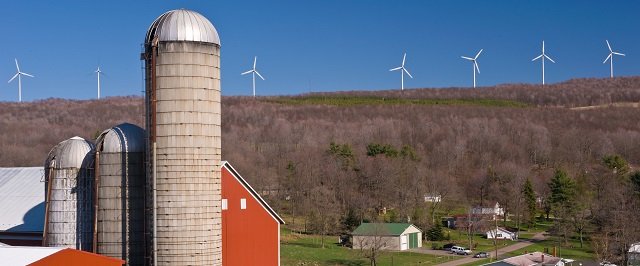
{"x":255,"y":194}
{"x":635,"y":248}
{"x":535,"y":258}
{"x":22,"y":199}
{"x":500,"y":229}
{"x":382,"y":229}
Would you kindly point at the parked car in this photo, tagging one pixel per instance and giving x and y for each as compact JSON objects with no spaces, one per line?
{"x":453,"y":249}
{"x":481,"y":255}
{"x":461,"y":250}
{"x":447,"y":247}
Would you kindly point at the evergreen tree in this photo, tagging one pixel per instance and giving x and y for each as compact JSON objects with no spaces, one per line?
{"x":435,"y":233}
{"x":563,"y":190}
{"x":530,"y":201}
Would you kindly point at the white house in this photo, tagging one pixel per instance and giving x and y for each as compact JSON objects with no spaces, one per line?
{"x":492,"y":212}
{"x":501,"y":234}
{"x":432,"y":198}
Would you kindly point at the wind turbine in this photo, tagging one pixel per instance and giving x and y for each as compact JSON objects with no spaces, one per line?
{"x":98,"y":72}
{"x":404,"y":70}
{"x":254,"y":72}
{"x":19,"y":76}
{"x":543,"y":56}
{"x":610,"y":57}
{"x":475,"y":65}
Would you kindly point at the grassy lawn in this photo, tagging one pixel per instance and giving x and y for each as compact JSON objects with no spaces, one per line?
{"x":298,"y":249}
{"x":370,"y":100}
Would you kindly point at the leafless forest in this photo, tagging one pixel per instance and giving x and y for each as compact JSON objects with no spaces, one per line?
{"x":333,"y":164}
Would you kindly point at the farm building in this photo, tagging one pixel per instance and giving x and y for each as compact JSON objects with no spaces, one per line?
{"x":41,"y":256}
{"x":388,"y":236}
{"x":22,"y":201}
{"x":250,"y":228}
{"x":501,"y":233}
{"x":530,"y":259}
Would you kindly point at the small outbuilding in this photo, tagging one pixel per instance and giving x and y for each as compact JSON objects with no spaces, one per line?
{"x":529,"y":259}
{"x":250,"y":227}
{"x":387,"y":236}
{"x":501,"y":233}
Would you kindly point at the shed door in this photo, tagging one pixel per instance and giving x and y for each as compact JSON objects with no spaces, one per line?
{"x":403,"y":242}
{"x":413,"y":240}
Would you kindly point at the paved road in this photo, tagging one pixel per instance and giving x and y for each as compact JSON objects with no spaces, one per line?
{"x":469,"y":259}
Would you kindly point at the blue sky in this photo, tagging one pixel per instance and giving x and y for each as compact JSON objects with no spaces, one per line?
{"x":326,"y":45}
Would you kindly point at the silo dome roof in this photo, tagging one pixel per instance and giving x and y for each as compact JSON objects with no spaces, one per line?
{"x":122,"y":138}
{"x":182,"y":25}
{"x":70,"y":153}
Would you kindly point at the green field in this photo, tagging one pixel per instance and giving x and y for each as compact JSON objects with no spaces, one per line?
{"x":369,"y":100}
{"x":299,"y":249}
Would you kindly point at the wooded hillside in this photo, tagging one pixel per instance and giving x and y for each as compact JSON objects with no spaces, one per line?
{"x":335,"y":157}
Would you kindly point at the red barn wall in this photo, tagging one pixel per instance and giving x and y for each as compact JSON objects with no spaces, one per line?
{"x":72,"y":257}
{"x":250,"y":236}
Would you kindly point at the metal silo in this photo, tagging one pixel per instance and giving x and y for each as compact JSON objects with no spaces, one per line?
{"x":182,"y":62}
{"x":120,"y":186}
{"x":68,"y":195}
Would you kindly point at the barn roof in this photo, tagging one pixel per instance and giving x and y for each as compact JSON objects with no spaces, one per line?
{"x":22,"y":199}
{"x":11,"y":255}
{"x":381,"y":229}
{"x":255,"y":194}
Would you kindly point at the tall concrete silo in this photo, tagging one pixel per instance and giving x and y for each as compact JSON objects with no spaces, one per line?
{"x":120,"y":189}
{"x":182,"y":62}
{"x":68,"y":195}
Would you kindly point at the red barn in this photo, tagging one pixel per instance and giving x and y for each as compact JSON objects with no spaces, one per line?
{"x":250,"y":228}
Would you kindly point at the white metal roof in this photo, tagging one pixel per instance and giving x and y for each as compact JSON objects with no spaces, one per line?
{"x":22,"y":199}
{"x":635,"y":248}
{"x":122,"y":138}
{"x":69,"y":153}
{"x":18,"y":256}
{"x":182,"y":25}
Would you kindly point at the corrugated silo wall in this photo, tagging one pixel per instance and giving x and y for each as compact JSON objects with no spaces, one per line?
{"x":186,"y":129}
{"x":70,"y":222}
{"x":121,"y":180}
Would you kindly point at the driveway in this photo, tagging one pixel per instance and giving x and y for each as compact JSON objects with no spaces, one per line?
{"x":469,"y":259}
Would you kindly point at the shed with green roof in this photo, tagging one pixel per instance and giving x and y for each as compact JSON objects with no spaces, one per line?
{"x":387,"y":236}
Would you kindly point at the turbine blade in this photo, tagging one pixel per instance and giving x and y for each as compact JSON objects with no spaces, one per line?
{"x":608,"y":45}
{"x":478,"y":54}
{"x":394,"y":69}
{"x":247,"y":72}
{"x":607,"y":59}
{"x":407,"y":71}
{"x":26,"y":74}
{"x":618,"y":53}
{"x":538,"y":57}
{"x":14,"y":77}
{"x":255,"y":58}
{"x":542,"y":47}
{"x":468,"y":58}
{"x":550,"y":59}
{"x":259,"y":75}
{"x":404,"y":57}
{"x":17,"y":67}
{"x":476,"y":66}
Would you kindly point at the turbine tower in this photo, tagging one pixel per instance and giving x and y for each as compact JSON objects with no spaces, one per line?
{"x":254,"y":72}
{"x":475,"y":65}
{"x":98,"y":72}
{"x":19,"y":76}
{"x":404,"y":70}
{"x":543,"y":56}
{"x":610,"y":57}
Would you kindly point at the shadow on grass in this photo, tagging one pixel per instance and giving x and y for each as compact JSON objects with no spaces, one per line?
{"x":346,"y":262}
{"x":306,"y":245}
